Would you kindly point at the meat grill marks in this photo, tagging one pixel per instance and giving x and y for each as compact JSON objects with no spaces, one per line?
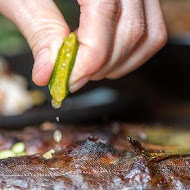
{"x":109,"y":162}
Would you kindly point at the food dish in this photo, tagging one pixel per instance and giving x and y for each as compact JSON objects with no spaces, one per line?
{"x":118,"y":156}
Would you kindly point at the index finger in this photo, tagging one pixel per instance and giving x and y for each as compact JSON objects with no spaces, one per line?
{"x":96,"y":33}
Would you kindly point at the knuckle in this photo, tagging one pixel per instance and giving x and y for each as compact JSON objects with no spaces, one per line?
{"x":159,"y":36}
{"x":43,"y":32}
{"x":138,"y":30}
{"x":135,"y":32}
{"x":107,"y":8}
{"x":110,"y":9}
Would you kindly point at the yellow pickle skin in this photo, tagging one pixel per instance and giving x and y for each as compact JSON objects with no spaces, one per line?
{"x":58,"y":85}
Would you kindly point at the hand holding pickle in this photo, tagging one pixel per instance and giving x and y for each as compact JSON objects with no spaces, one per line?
{"x":116,"y":37}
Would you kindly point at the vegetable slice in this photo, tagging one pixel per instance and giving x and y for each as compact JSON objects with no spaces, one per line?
{"x":58,"y":85}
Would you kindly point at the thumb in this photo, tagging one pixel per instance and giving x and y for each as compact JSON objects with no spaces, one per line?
{"x":44,"y":28}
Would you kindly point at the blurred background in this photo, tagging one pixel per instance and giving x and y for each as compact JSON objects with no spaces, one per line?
{"x":157,"y":92}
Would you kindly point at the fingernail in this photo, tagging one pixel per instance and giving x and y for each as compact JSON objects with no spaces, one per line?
{"x":79,"y":84}
{"x":42,"y":58}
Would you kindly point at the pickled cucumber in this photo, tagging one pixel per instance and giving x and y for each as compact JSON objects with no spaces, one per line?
{"x":58,"y":84}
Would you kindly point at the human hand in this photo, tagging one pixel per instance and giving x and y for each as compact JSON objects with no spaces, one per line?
{"x":115,"y":36}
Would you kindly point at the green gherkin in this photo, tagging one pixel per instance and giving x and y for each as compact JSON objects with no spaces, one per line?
{"x":58,"y":84}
